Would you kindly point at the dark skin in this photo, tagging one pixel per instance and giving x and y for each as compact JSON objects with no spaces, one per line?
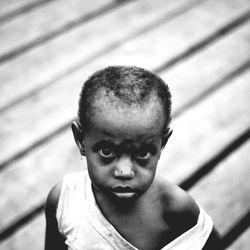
{"x":122,"y":150}
{"x":54,"y":239}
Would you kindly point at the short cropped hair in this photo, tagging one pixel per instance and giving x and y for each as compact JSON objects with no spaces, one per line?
{"x":130,"y":84}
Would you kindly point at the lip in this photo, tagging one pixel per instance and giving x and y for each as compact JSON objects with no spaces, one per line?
{"x":123,"y":189}
{"x":124,"y":192}
{"x":124,"y":195}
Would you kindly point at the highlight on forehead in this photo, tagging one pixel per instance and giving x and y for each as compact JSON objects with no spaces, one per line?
{"x":106,"y":99}
{"x":107,"y":115}
{"x":123,"y":85}
{"x":124,"y":97}
{"x":107,"y":102}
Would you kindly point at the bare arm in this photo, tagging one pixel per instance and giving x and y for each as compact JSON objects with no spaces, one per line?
{"x":53,"y":238}
{"x":214,"y":241}
{"x":182,"y":212}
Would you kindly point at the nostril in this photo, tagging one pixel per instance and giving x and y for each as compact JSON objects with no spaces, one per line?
{"x":119,"y":173}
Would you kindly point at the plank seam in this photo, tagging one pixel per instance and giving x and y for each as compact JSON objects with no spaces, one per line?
{"x":36,"y":144}
{"x":204,"y":169}
{"x":187,"y":53}
{"x":65,"y":28}
{"x":22,"y":10}
{"x":236,"y":230}
{"x":213,"y":37}
{"x":22,"y":221}
{"x":214,"y":87}
{"x":98,"y":54}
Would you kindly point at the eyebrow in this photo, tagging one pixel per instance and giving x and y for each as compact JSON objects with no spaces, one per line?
{"x":106,"y":133}
{"x":108,"y":143}
{"x":102,"y":143}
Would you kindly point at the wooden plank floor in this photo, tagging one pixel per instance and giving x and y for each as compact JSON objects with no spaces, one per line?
{"x":201,"y":48}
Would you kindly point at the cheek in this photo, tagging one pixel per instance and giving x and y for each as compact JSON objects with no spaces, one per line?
{"x":146,"y":175}
{"x":97,"y":172}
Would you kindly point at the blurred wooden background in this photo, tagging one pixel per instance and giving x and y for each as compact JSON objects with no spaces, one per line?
{"x":49,"y":47}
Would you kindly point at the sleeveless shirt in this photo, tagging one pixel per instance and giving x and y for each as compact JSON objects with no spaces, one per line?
{"x":84,"y":226}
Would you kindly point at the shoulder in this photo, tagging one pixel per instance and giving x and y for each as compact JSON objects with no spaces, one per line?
{"x":52,"y":200}
{"x":179,"y":208}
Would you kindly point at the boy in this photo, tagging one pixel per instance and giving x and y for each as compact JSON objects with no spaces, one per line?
{"x":119,"y":203}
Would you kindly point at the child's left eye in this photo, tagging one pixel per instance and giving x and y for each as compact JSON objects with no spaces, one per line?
{"x":143,"y":155}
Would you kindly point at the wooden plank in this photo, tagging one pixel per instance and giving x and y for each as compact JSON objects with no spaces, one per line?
{"x":46,"y":22}
{"x":173,"y":40}
{"x":11,"y":8}
{"x":225,"y":192}
{"x":57,"y":57}
{"x":32,"y":176}
{"x":58,"y":104}
{"x":81,"y":46}
{"x":29,"y":237}
{"x":52,"y":165}
{"x":237,"y":232}
{"x":242,"y":243}
{"x":209,"y":68}
{"x":207,"y":128}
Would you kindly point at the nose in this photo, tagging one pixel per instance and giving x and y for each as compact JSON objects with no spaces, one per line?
{"x":124,"y":168}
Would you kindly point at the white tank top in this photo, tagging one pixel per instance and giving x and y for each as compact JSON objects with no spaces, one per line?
{"x":84,"y":226}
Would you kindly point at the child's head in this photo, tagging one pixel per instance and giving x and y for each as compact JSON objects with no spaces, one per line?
{"x":131,"y":86}
{"x":124,"y":114}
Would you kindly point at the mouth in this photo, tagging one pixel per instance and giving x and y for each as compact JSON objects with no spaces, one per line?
{"x":124,"y":192}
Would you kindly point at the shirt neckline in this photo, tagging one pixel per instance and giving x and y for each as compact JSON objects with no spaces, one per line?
{"x":101,"y":224}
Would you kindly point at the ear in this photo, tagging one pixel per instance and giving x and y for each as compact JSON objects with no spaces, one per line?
{"x":167,"y":133}
{"x":78,"y":136}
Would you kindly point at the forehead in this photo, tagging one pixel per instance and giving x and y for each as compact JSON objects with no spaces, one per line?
{"x":127,"y":121}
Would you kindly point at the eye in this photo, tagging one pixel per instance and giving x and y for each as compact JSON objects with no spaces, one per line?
{"x":106,"y":153}
{"x":143,"y":155}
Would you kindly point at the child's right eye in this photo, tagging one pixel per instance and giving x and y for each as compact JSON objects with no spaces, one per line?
{"x":106,"y":153}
